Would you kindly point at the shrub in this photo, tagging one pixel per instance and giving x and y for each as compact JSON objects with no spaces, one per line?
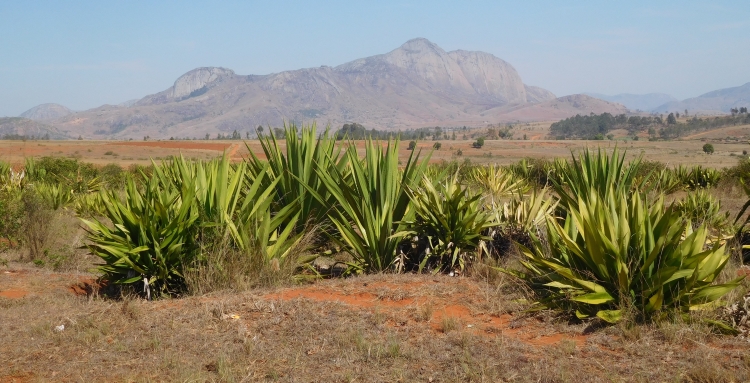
{"x":412,"y":145}
{"x":437,"y":146}
{"x":448,"y":221}
{"x":36,"y":223}
{"x":616,"y":253}
{"x":372,"y":204}
{"x":708,"y":149}
{"x":478,"y":143}
{"x":153,"y":236}
{"x":497,"y":181}
{"x":295,"y":170}
{"x":701,"y":208}
{"x":518,"y":220}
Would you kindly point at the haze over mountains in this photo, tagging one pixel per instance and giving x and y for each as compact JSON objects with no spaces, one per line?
{"x":416,"y":85}
{"x":643,"y":102}
{"x":718,"y":101}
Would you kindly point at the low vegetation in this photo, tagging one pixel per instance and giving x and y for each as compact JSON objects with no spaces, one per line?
{"x":596,"y":240}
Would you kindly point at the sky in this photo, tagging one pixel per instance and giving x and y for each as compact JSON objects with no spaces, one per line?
{"x":83,"y":54}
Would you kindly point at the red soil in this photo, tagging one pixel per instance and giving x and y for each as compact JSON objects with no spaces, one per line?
{"x":442,"y":309}
{"x":14,"y":293}
{"x":177,"y":145}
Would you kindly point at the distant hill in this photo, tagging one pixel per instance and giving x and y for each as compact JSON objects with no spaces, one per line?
{"x":562,"y":107}
{"x":24,"y":127}
{"x":718,"y":101}
{"x":46,"y":112}
{"x":643,"y":102}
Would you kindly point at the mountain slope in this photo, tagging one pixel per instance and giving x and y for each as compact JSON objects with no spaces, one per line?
{"x":644,"y":102}
{"x":718,"y":101}
{"x":19,"y":126}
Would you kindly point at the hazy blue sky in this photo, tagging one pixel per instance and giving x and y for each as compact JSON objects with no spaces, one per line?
{"x":86,"y":53}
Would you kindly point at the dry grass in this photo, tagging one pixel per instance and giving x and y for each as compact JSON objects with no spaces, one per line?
{"x":260,"y":336}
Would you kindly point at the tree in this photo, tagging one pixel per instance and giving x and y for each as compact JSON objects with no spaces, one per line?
{"x":412,"y":145}
{"x":80,"y":138}
{"x":259,"y":129}
{"x":437,"y":145}
{"x":671,"y":120}
{"x":686,"y":113}
{"x":610,"y":137}
{"x":708,"y":149}
{"x":453,"y":136}
{"x":247,"y":135}
{"x":478,"y":143}
{"x":208,"y":136}
{"x":236,"y":135}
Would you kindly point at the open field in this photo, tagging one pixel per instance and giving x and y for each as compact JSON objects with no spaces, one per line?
{"x":678,"y":152}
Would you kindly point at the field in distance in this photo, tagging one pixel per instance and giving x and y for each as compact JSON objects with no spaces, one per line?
{"x":728,"y":143}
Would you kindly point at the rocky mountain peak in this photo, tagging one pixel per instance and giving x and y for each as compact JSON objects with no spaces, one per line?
{"x":197,"y":79}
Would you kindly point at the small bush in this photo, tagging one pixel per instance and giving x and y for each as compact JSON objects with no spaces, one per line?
{"x":708,"y":149}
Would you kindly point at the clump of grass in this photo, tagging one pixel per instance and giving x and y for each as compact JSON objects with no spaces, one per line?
{"x":448,"y":324}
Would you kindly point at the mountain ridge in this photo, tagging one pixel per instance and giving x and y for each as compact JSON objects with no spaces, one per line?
{"x":417,"y":84}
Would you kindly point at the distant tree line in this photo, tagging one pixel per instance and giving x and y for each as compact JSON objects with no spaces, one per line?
{"x":597,"y":126}
{"x":13,"y":136}
{"x":355,"y":131}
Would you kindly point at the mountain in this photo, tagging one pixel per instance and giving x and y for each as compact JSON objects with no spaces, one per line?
{"x":644,"y":102}
{"x":19,"y":126}
{"x":418,"y":84}
{"x":46,"y":112}
{"x":716,"y":102}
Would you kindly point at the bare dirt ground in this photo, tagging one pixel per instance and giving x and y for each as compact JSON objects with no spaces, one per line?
{"x":378,"y":328}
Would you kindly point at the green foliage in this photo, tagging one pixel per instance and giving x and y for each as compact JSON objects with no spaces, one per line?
{"x":478,"y":143}
{"x":697,"y":177}
{"x":536,"y":171}
{"x":448,"y":223}
{"x":412,"y":145}
{"x":56,"y":196}
{"x":152,"y":239}
{"x":372,"y":204}
{"x":497,"y":182}
{"x":703,"y":209}
{"x":519,"y":219}
{"x":596,"y":173}
{"x":617,"y":252}
{"x":708,"y":149}
{"x":295,"y":173}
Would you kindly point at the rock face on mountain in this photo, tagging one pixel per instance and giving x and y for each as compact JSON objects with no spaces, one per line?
{"x":417,"y":84}
{"x":643,"y":102}
{"x":718,"y":101}
{"x":46,"y":112}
